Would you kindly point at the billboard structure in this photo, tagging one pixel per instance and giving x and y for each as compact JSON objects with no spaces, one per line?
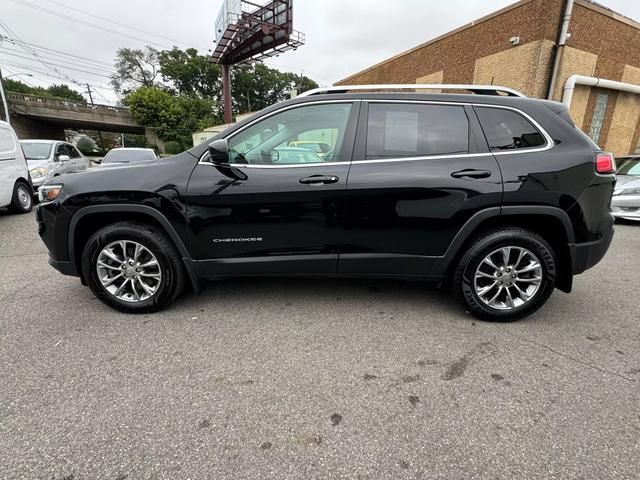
{"x":248,"y":31}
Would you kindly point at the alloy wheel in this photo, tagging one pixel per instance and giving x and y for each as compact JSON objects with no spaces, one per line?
{"x":129,"y":271}
{"x":508,"y":278}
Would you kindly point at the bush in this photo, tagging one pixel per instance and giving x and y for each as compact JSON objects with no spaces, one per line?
{"x":172,"y":148}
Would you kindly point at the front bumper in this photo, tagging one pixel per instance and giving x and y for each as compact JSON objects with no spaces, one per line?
{"x":588,"y":254}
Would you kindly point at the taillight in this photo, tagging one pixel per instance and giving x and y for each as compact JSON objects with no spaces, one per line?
{"x":605,"y":163}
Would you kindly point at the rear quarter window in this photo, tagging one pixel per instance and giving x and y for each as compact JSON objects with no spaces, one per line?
{"x":508,"y":130}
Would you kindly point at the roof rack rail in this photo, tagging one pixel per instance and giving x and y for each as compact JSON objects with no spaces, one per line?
{"x":477,"y":89}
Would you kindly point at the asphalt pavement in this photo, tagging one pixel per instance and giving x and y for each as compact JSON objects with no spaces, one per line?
{"x":304,"y":379}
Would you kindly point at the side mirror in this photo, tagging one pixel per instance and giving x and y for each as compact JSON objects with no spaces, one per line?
{"x":63,"y":158}
{"x":219,"y":151}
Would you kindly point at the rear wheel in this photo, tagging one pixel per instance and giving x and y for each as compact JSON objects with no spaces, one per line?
{"x":506,"y":275}
{"x":22,"y":199}
{"x":133,"y":268}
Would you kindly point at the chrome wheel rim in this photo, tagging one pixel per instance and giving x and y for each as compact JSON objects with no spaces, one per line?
{"x":24,"y":197}
{"x":508,"y":278}
{"x":129,"y":271}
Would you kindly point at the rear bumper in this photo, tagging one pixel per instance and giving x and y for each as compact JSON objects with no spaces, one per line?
{"x":586,"y":255}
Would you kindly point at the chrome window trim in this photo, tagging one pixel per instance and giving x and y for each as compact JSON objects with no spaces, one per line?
{"x":548,"y":146}
{"x":275,"y":112}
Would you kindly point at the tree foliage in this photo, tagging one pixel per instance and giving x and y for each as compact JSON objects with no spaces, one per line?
{"x":187,"y":73}
{"x":177,"y":92}
{"x":59,"y":91}
{"x":135,"y":68}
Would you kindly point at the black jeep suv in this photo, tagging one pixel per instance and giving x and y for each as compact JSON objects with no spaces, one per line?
{"x":500,"y":196}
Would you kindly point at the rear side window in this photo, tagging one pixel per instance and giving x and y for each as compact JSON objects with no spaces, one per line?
{"x":7,"y":143}
{"x":414,"y":130}
{"x":508,"y":130}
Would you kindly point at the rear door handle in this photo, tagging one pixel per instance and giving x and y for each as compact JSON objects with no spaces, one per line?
{"x":471,"y":173}
{"x":319,"y":180}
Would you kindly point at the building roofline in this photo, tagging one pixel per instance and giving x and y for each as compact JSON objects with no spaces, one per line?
{"x":590,"y":4}
{"x":466,"y":26}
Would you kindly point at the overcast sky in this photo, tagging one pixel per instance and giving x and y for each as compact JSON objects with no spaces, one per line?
{"x":342,"y":36}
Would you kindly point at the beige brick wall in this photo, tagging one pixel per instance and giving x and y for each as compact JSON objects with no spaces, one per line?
{"x":435,"y":77}
{"x":525,"y":68}
{"x":625,"y":117}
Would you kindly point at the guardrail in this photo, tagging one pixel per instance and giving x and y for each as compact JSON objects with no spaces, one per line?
{"x":62,"y":104}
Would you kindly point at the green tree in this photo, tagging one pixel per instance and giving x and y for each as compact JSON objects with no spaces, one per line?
{"x":255,"y":88}
{"x":64,"y":91}
{"x":59,"y":91}
{"x":188,"y":73}
{"x":135,"y":68}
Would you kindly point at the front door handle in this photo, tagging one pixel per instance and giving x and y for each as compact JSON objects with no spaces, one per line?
{"x":471,"y":173}
{"x":319,"y":180}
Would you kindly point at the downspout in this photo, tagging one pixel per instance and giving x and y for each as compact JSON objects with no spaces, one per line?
{"x":574,"y":80}
{"x":562,"y":41}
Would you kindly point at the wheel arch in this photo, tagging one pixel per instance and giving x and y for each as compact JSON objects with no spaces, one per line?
{"x":88,"y":220}
{"x":551,"y":223}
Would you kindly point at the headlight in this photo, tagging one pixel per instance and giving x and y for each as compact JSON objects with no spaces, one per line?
{"x":628,"y":191}
{"x":48,"y":193}
{"x":39,"y":172}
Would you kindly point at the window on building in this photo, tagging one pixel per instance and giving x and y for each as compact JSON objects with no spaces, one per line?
{"x":508,"y":130}
{"x":599,"y":113}
{"x":414,"y":130}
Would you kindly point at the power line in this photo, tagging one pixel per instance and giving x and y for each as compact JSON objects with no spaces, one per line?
{"x":66,"y":68}
{"x":15,"y":53}
{"x":116,"y":23}
{"x":51,"y":51}
{"x":39,"y":8}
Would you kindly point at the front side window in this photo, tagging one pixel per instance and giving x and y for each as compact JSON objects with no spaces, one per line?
{"x":508,"y":130}
{"x":414,"y":130}
{"x":7,"y":144}
{"x":311,"y":134}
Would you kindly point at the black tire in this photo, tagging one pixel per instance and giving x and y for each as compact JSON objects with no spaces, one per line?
{"x":170,"y":265}
{"x":488,"y":242}
{"x":22,"y":199}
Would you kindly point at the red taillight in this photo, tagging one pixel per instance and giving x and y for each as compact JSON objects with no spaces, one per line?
{"x":605,"y":163}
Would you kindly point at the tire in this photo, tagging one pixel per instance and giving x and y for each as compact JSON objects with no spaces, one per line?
{"x":473,"y":275}
{"x":22,"y":199}
{"x":153,"y":288}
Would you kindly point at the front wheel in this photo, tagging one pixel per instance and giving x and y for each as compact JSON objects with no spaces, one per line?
{"x":133,"y":268}
{"x":22,"y":199}
{"x":506,"y":274}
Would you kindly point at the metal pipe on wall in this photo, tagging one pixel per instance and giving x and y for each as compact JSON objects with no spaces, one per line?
{"x":562,"y":41}
{"x":573,"y":80}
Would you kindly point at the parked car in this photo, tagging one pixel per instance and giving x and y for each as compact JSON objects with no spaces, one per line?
{"x":128,"y":155}
{"x":322,"y":149}
{"x":499,"y":195}
{"x":15,"y":184}
{"x":289,"y":155}
{"x":626,"y":196}
{"x":50,"y":158}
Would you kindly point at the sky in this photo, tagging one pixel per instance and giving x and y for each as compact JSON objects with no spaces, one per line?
{"x":342,"y":36}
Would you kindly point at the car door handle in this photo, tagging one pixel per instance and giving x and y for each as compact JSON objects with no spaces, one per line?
{"x":319,"y":180}
{"x":471,"y":173}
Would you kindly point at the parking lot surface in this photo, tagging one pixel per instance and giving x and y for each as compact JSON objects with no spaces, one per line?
{"x":290,"y":378}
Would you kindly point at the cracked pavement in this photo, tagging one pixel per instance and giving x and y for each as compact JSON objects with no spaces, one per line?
{"x":283,"y":378}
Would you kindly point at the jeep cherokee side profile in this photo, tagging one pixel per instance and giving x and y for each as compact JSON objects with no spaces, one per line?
{"x":499,"y":195}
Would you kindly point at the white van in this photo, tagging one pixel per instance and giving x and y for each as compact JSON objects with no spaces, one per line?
{"x":15,"y":185}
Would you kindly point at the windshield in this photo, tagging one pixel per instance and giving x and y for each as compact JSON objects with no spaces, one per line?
{"x":36,"y":151}
{"x":128,"y":156}
{"x":629,"y":166}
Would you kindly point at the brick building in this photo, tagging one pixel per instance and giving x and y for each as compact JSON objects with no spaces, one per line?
{"x":522,"y":47}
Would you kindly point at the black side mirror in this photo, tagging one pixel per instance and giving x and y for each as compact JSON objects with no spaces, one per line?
{"x":219,"y":151}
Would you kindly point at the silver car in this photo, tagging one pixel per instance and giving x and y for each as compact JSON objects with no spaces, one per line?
{"x":625,"y":202}
{"x":49,"y":158}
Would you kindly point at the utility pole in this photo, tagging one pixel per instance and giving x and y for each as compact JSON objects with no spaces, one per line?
{"x":5,"y":106}
{"x":91,"y":100}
